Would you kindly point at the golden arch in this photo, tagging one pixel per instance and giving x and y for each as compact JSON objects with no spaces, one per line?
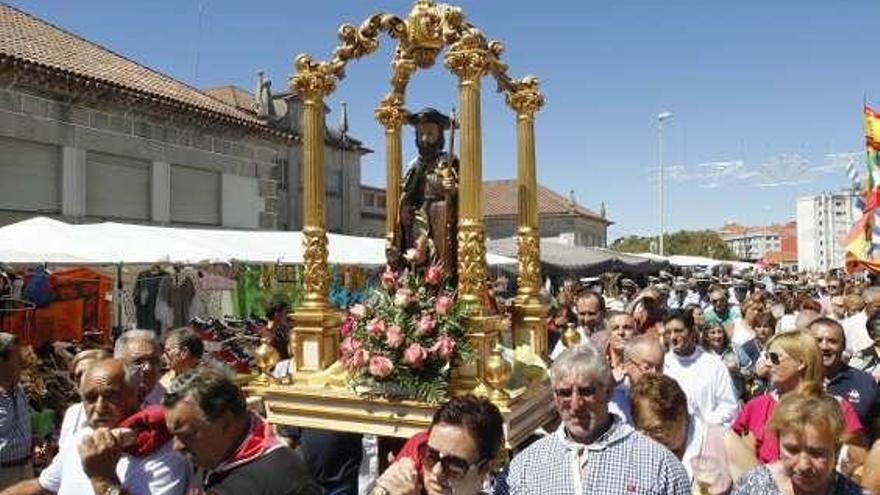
{"x":428,"y":29}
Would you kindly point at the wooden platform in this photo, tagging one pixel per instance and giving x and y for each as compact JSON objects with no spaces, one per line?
{"x":340,"y":409}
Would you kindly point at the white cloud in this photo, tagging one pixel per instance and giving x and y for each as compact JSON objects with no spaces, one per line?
{"x":784,"y":169}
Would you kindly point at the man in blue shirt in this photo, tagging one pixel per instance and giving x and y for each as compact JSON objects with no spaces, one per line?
{"x":844,"y":381}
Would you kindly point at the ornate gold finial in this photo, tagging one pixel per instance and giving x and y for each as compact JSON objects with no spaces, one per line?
{"x":497,"y":372}
{"x":390,"y":115}
{"x":266,"y":357}
{"x":313,"y":79}
{"x":571,"y":337}
{"x":469,"y":57}
{"x":524,"y":96}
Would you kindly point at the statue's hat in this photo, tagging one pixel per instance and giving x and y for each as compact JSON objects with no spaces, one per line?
{"x":429,"y":115}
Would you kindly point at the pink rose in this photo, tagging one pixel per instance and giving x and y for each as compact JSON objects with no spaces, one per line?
{"x":381,"y":366}
{"x":359,"y":359}
{"x":404,"y":297}
{"x":426,"y":324}
{"x":415,"y":356}
{"x":442,"y":304}
{"x":349,"y":345}
{"x":394,"y":336}
{"x":389,"y":278}
{"x":358,"y":310}
{"x":434,"y":275}
{"x":444,"y":347}
{"x":376,"y":327}
{"x":346,"y":327}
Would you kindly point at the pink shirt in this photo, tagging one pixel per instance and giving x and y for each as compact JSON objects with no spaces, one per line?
{"x":756,"y":414}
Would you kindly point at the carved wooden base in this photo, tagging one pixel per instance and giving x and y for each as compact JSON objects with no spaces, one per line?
{"x":339,"y":409}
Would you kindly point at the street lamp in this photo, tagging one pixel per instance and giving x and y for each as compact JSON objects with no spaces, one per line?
{"x":661,"y":117}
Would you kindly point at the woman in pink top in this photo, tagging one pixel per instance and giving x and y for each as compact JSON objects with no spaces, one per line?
{"x":793,"y":358}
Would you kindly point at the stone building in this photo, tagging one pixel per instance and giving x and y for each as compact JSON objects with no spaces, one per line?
{"x":89,"y":135}
{"x":560,"y":218}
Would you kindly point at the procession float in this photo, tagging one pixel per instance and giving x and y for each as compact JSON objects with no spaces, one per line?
{"x":429,"y":331}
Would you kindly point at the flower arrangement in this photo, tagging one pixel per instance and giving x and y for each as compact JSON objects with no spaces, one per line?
{"x":404,"y":341}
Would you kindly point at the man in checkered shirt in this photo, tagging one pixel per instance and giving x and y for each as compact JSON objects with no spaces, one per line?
{"x":15,"y":416}
{"x":593,"y":451}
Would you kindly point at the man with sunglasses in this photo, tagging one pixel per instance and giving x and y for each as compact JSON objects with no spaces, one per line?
{"x":720,"y":309}
{"x":454,"y":456}
{"x":592,"y":451}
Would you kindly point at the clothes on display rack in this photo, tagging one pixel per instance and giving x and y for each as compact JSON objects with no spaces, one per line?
{"x":146,"y":291}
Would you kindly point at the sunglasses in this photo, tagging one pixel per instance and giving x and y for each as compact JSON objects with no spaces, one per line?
{"x":716,"y":301}
{"x":455,"y":467}
{"x":567,"y":393}
{"x":773,"y":357}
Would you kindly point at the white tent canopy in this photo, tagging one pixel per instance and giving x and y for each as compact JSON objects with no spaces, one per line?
{"x":696,"y":261}
{"x":42,"y":239}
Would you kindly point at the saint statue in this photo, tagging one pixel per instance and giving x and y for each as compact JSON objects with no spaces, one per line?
{"x":428,"y":219}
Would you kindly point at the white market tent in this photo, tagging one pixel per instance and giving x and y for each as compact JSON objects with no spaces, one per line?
{"x":696,"y":261}
{"x":44,"y":240}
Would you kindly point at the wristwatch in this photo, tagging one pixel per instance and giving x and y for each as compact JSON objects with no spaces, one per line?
{"x":113,"y":490}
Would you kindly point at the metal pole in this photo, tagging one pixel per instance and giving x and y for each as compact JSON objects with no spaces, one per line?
{"x":660,"y":118}
{"x":660,"y":159}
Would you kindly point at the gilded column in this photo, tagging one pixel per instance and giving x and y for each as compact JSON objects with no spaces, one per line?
{"x":525,"y":99}
{"x":316,"y":332}
{"x":469,"y":60}
{"x":392,"y":116}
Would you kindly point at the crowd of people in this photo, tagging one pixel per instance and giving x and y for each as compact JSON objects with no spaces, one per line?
{"x":737,"y":384}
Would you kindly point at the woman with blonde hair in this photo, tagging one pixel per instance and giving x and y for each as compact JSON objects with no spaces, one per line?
{"x":809,"y":424}
{"x":794,"y":358}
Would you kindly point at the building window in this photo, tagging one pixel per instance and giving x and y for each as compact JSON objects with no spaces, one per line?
{"x":381,"y":201}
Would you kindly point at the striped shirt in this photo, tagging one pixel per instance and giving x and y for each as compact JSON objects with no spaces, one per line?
{"x":15,"y":426}
{"x":621,"y":461}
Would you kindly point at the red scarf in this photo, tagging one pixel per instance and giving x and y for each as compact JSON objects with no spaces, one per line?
{"x":152,"y":433}
{"x":260,"y":440}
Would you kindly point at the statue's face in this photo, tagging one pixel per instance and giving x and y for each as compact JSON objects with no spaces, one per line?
{"x":428,"y":135}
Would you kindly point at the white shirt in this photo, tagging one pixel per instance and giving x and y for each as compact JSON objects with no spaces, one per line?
{"x":741,"y":334}
{"x":74,"y":420}
{"x":164,"y":472}
{"x":857,"y":337}
{"x":707,"y":385}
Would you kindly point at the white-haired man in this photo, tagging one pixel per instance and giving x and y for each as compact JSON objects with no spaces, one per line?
{"x":592,"y":451}
{"x":141,"y":348}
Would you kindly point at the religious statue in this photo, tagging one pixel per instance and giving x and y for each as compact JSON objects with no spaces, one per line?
{"x":428,"y":219}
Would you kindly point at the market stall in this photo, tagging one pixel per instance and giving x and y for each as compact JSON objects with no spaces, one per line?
{"x":559,"y":259}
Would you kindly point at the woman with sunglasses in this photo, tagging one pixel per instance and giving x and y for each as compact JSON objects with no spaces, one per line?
{"x":454,"y":456}
{"x":793,"y":358}
{"x":809,"y":425}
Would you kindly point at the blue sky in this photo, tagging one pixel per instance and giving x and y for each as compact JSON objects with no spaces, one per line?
{"x":762,"y":91}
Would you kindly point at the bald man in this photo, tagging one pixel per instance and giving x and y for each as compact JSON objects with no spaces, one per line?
{"x":642,"y":354}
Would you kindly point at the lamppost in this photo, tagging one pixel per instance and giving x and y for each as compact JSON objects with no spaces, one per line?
{"x":661,"y":117}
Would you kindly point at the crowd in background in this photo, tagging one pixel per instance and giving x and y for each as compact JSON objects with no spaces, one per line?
{"x":706,"y":383}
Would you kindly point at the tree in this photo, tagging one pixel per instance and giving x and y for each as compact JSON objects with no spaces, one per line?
{"x":688,"y":242}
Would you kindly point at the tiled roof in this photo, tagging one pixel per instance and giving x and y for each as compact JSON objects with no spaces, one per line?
{"x":239,"y":98}
{"x":31,"y":41}
{"x":500,"y":199}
